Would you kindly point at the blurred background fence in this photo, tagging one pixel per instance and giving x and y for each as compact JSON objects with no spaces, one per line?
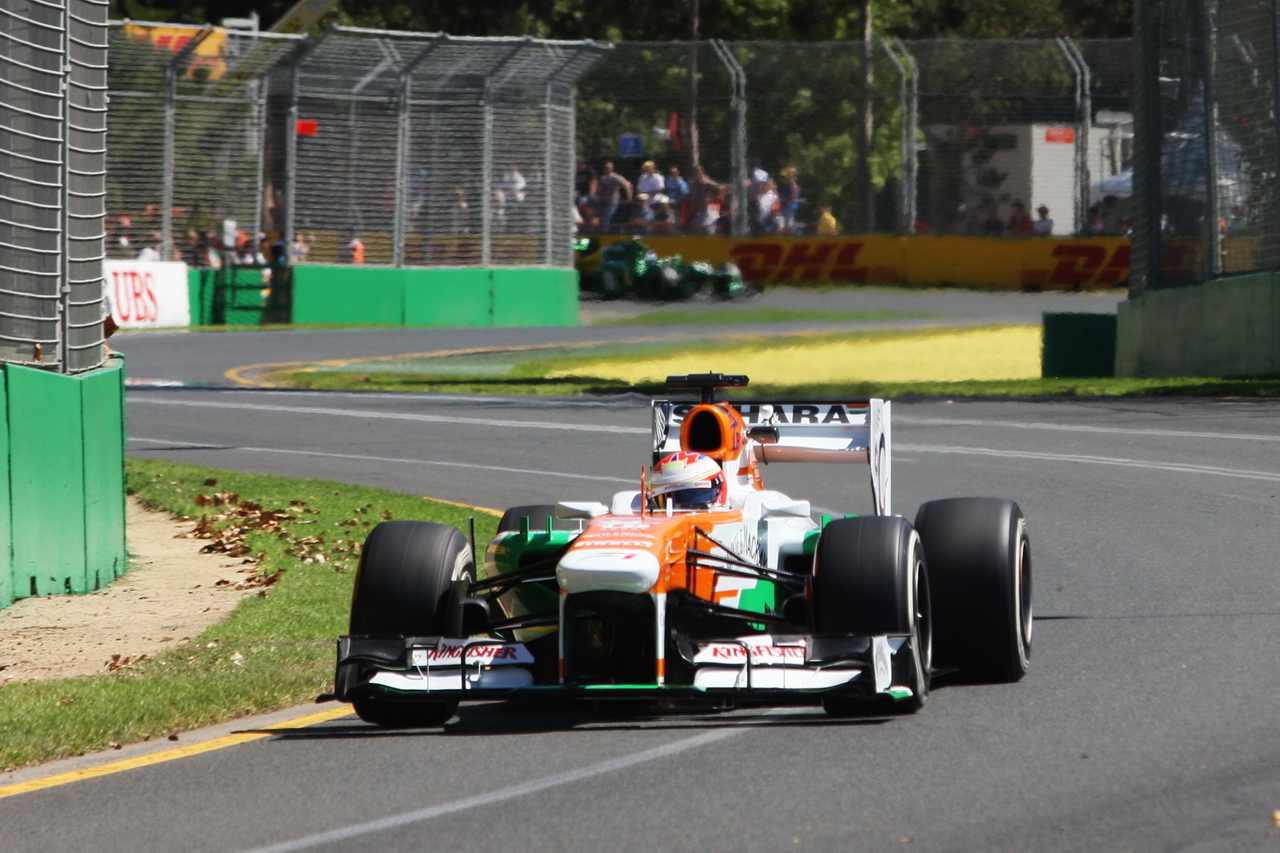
{"x":360,"y":146}
{"x":424,"y":149}
{"x":892,"y":136}
{"x":1208,"y":152}
{"x":53,"y":94}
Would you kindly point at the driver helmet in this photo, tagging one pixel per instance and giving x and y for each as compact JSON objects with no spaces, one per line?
{"x":687,"y":481}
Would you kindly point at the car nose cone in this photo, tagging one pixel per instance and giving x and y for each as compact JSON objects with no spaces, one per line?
{"x":598,"y":569}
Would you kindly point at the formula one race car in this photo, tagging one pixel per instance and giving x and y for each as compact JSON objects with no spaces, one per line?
{"x":699,"y":586}
{"x":630,"y":268}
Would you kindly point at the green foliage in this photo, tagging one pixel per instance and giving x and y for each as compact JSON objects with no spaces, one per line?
{"x":663,"y":20}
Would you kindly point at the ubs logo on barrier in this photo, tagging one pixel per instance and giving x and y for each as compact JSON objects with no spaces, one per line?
{"x":808,"y":262}
{"x":133,"y":296}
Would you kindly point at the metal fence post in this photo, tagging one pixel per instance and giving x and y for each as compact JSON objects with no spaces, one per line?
{"x":291,"y":151}
{"x":548,"y":196}
{"x":1086,"y":124}
{"x":404,"y":145}
{"x":907,"y":142}
{"x":913,"y":125}
{"x":1212,"y":233}
{"x":486,"y":248}
{"x":260,"y":104}
{"x":1084,"y":116}
{"x":738,"y":138}
{"x":170,"y":121}
{"x":64,"y":177}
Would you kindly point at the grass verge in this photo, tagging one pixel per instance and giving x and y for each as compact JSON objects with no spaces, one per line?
{"x":676,"y":317}
{"x":275,"y":650}
{"x":588,"y":373}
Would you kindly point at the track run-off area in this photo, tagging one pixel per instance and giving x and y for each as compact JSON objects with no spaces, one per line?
{"x":1147,"y":721}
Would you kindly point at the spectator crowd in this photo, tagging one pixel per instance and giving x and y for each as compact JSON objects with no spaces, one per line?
{"x":654,"y":200}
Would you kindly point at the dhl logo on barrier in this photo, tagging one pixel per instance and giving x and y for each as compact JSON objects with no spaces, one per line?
{"x":1080,"y":265}
{"x":811,"y":262}
{"x":1085,"y":263}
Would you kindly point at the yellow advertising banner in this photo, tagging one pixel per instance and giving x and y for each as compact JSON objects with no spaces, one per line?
{"x":1085,"y":263}
{"x":207,"y":55}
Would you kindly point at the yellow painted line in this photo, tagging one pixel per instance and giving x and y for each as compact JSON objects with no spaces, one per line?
{"x":489,"y":510}
{"x":236,"y":374}
{"x":172,"y":754}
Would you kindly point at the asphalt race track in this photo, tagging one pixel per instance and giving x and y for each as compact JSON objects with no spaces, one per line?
{"x":1148,"y":721}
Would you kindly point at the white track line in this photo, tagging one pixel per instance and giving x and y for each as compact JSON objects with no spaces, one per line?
{"x":1177,"y":467}
{"x":904,"y":420}
{"x":362,"y":458}
{"x":509,"y":793}
{"x":1170,"y":433}
{"x":558,"y":426}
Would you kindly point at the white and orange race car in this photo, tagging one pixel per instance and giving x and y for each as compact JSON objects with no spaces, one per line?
{"x":699,"y":586}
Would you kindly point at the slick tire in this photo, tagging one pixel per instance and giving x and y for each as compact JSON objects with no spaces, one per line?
{"x":611,"y":285}
{"x":980,"y":567}
{"x":870,"y":578}
{"x":404,"y":587}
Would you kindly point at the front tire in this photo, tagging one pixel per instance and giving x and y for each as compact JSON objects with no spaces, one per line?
{"x":870,"y":578}
{"x":403,"y":588}
{"x":980,"y":565}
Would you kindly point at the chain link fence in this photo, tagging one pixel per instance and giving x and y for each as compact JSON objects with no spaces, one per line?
{"x":1208,"y":148}
{"x":891,"y":136}
{"x":52,"y":127}
{"x":187,"y":166}
{"x":368,"y":146}
{"x":427,"y":149}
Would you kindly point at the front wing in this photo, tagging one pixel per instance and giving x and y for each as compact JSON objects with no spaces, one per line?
{"x":780,"y":669}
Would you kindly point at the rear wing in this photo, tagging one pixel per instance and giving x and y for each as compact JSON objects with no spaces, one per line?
{"x":829,"y":432}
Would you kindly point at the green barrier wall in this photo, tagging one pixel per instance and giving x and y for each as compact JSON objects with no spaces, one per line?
{"x":62,"y":511}
{"x":200,"y":286}
{"x":6,"y":501}
{"x":1227,"y":327}
{"x":461,"y":296}
{"x":453,"y":297}
{"x":1079,"y":345}
{"x":535,"y":297}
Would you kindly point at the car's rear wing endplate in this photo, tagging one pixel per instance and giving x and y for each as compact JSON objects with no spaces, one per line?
{"x":826,"y":431}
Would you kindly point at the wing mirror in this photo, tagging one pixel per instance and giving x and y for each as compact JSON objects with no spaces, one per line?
{"x":763,"y":434}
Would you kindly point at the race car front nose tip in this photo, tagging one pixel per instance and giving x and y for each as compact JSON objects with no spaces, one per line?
{"x":592,"y":570}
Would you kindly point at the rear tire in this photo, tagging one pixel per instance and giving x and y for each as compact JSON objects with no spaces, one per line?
{"x":870,"y":578}
{"x":403,"y":587}
{"x":980,"y":566}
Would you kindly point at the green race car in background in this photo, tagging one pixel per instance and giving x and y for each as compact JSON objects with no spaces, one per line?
{"x":628,"y":268}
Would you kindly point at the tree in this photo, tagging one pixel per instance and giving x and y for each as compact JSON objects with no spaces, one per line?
{"x":667,"y":20}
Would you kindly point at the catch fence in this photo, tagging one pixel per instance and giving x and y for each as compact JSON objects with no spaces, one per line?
{"x":53,"y":91}
{"x":1208,"y":152}
{"x":413,"y":149}
{"x":892,"y":136}
{"x":360,"y":146}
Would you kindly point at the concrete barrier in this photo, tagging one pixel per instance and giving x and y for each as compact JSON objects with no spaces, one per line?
{"x":458,"y":296}
{"x":1226,"y":327}
{"x":1078,"y":345}
{"x":921,"y":260}
{"x":62,"y":483}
